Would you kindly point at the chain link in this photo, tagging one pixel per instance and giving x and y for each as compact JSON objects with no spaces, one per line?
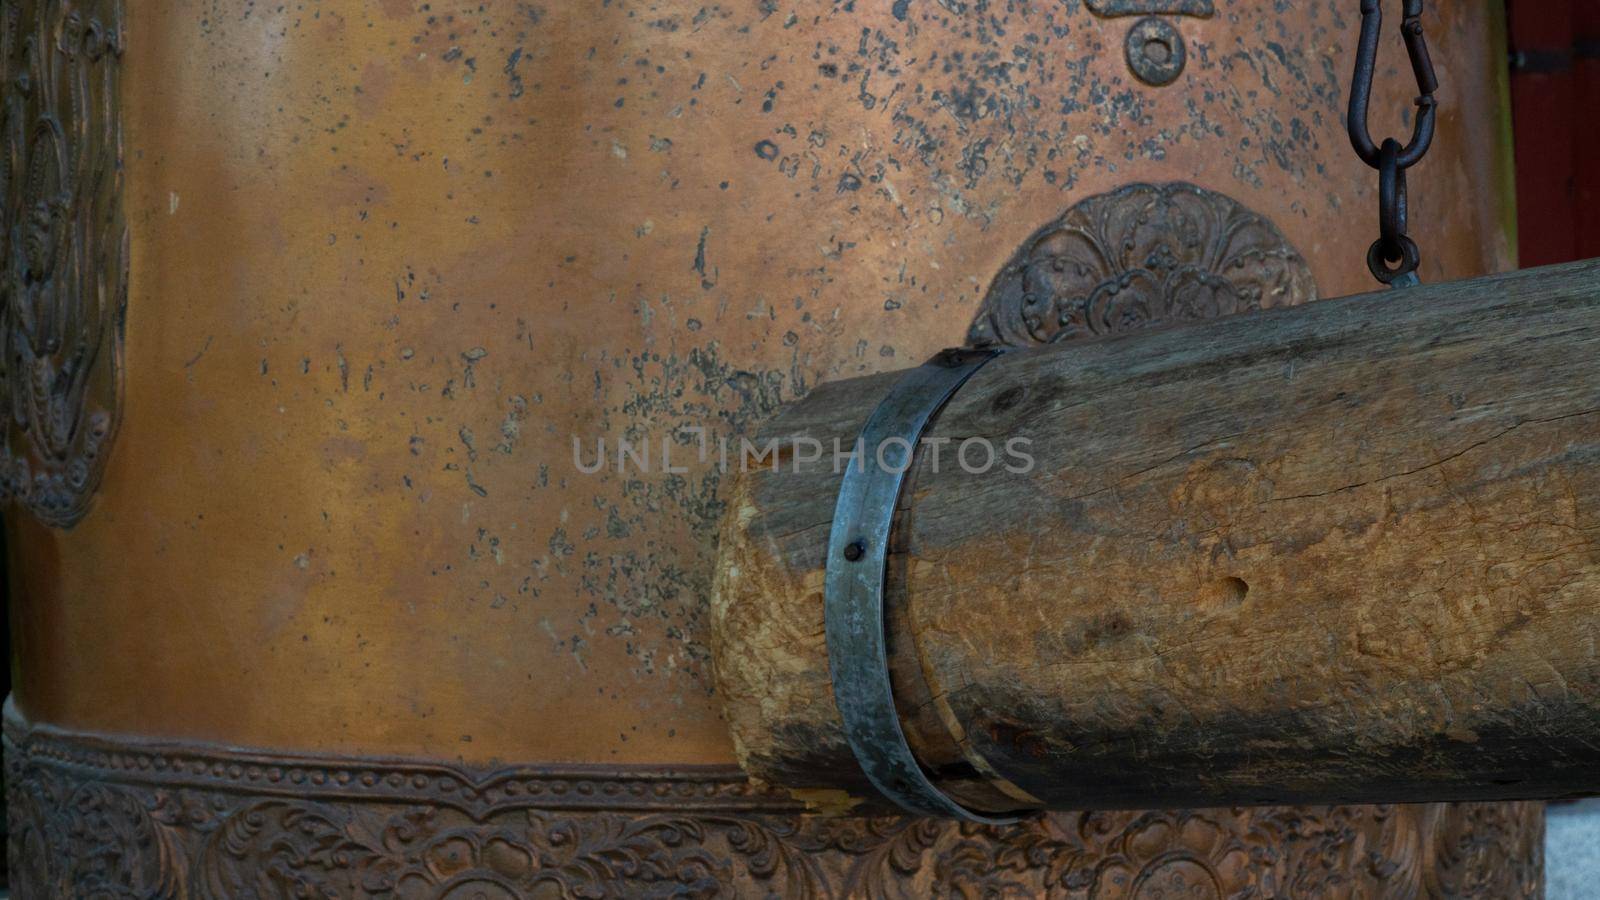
{"x":1394,"y":257}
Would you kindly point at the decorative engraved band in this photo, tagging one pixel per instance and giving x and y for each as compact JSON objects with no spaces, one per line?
{"x":99,"y":815}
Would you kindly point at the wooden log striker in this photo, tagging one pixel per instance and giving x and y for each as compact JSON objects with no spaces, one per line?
{"x":1342,"y":552}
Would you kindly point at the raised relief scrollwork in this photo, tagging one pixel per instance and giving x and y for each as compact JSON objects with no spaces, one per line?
{"x":63,"y":251}
{"x":94,"y":816}
{"x":1141,"y":255}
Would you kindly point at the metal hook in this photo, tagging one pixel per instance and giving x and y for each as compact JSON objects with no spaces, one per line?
{"x":1361,"y":87}
{"x":1393,"y":211}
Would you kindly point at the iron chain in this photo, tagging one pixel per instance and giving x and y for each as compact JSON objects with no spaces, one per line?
{"x":1394,"y":257}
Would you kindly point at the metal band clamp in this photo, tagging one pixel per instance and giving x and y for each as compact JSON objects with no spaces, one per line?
{"x":858,"y":657}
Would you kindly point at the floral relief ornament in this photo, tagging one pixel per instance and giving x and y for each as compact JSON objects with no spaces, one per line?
{"x":1141,"y":255}
{"x":63,"y":251}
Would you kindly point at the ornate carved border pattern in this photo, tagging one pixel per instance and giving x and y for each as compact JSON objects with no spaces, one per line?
{"x":63,"y":250}
{"x":1142,"y":255}
{"x":94,"y":817}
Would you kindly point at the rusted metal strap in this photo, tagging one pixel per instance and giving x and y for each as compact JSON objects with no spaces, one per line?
{"x":858,"y":657}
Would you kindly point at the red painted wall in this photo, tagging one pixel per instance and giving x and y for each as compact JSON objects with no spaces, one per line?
{"x":1555,"y":104}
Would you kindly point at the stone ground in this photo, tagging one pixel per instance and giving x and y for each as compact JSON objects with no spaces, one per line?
{"x":1572,"y":851}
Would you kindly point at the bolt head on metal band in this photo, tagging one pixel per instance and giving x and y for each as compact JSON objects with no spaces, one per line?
{"x":858,"y":656}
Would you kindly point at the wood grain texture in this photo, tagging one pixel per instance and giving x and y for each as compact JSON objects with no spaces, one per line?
{"x":1336,"y":553}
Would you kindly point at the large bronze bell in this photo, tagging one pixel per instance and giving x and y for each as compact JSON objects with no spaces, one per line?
{"x":378,"y":378}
